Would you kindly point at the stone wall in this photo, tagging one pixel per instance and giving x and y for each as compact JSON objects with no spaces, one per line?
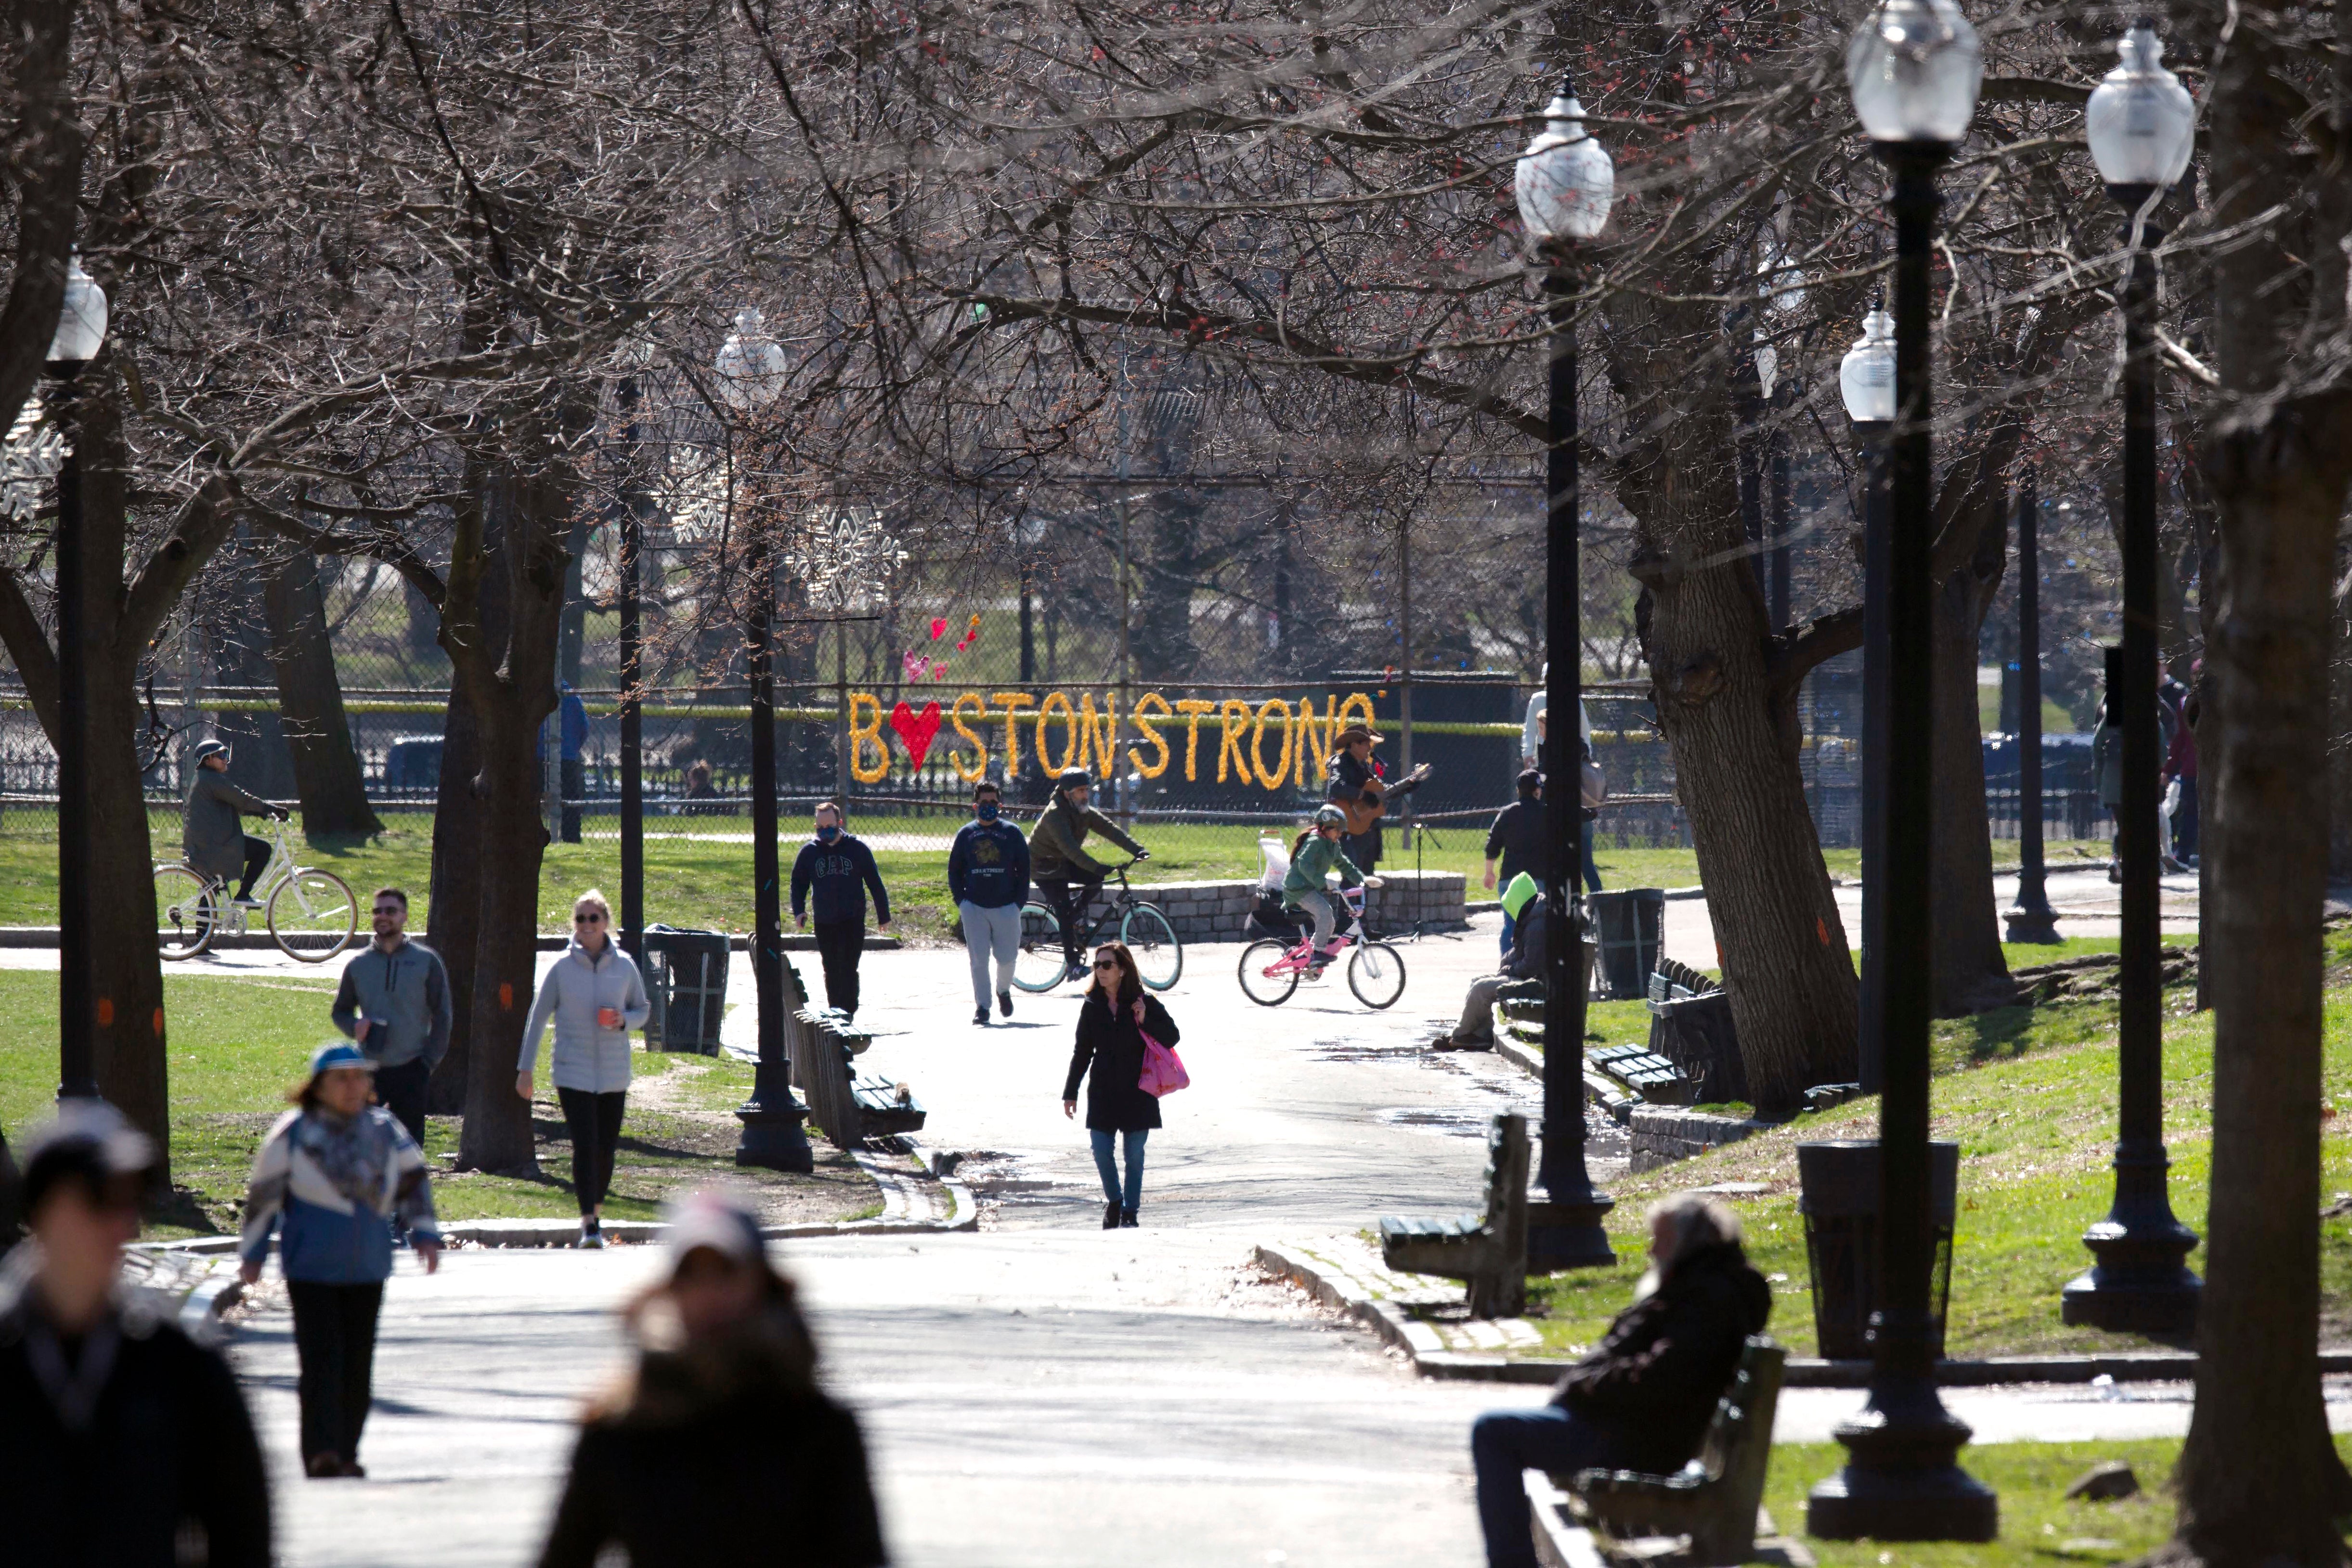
{"x":1220,"y":911}
{"x":1664,"y":1134}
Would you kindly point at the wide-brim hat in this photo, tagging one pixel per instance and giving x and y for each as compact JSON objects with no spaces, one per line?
{"x":1360,"y":732}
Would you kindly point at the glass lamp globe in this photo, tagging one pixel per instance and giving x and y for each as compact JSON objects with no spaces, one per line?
{"x":1565,"y":182}
{"x":1913,"y":67}
{"x":1867,"y":377}
{"x":751,"y":365}
{"x":2141,"y":122}
{"x":81,"y":319}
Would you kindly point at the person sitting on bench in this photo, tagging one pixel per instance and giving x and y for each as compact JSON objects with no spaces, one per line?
{"x":1529,"y":959}
{"x":1643,"y":1399}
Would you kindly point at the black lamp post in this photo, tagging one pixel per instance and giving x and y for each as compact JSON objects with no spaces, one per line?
{"x":2032,"y":919}
{"x":751,"y":377}
{"x":633,"y":718}
{"x":1867,"y":383}
{"x":2142,"y":123}
{"x":81,"y":329}
{"x":1914,"y":67}
{"x":1565,"y":183}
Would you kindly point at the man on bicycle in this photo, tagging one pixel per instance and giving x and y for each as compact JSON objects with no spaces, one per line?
{"x":1059,"y":866}
{"x":213,"y":837}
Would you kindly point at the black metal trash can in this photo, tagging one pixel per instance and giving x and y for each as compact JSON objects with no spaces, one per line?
{"x":1629,"y":925}
{"x":686,"y":980}
{"x":1839,"y":1179}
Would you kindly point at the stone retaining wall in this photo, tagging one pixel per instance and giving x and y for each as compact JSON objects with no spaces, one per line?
{"x":1220,"y":911}
{"x":1664,"y":1134}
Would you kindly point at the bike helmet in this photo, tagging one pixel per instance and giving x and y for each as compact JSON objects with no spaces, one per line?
{"x":1331,"y":817}
{"x":1073,"y":778}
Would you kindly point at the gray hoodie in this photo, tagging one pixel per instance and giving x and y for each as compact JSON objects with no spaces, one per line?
{"x":587,"y":1055}
{"x":404,"y":995}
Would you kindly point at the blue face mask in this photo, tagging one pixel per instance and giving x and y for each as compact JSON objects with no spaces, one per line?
{"x":987,"y":810}
{"x":827,"y":835}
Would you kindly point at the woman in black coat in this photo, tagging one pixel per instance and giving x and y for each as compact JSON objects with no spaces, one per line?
{"x":1115,"y":1015}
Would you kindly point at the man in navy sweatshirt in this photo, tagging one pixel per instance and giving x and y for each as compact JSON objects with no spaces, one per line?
{"x":840,"y":868}
{"x":988,"y":876}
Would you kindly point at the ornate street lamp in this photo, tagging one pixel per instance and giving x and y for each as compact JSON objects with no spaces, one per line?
{"x":81,"y":331}
{"x":1565,"y":183}
{"x":1866,"y":382}
{"x":2142,"y":126}
{"x":1913,"y":67}
{"x":751,"y":367}
{"x":2032,"y":919}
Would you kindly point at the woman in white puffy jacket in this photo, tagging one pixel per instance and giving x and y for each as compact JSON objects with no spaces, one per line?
{"x":596,"y":997}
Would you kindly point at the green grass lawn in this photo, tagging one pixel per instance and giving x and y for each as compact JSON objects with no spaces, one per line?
{"x":2038,"y":1526}
{"x":237,"y":1045}
{"x":2029,"y":1095}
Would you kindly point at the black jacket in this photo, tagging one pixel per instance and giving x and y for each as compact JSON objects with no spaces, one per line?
{"x":1517,"y":839}
{"x":1530,"y":941}
{"x":841,"y":872}
{"x":1112,"y":1045}
{"x":168,"y":1445}
{"x":720,"y":1455}
{"x":1656,"y":1374}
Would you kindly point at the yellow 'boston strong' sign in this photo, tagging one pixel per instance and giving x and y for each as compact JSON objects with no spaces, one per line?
{"x":1274,"y":744}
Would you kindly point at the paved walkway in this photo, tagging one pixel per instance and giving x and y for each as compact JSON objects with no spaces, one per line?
{"x":1043,"y":1392}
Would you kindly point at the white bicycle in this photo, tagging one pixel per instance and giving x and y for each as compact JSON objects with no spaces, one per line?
{"x":311,"y":912}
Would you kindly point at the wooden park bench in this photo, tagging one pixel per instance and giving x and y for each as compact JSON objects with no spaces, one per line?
{"x":1645,"y":1072}
{"x":1488,"y":1252}
{"x":1714,"y":1499}
{"x":824,"y":1046}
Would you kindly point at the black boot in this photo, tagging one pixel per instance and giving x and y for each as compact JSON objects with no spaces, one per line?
{"x":1127,"y":1219}
{"x":1110,"y":1216}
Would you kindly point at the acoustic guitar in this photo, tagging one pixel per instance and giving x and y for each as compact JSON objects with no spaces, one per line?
{"x":1372,"y":803}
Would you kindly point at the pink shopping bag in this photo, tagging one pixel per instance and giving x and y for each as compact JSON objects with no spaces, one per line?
{"x":1163,"y":1070}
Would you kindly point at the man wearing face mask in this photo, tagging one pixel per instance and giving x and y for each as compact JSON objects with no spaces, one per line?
{"x":988,"y":876}
{"x":839,"y":867}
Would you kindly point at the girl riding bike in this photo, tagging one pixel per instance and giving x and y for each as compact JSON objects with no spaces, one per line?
{"x":1315,"y":854}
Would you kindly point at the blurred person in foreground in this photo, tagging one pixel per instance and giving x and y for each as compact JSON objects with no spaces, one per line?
{"x":1643,"y":1399}
{"x":123,"y":1443}
{"x":717,"y":1446}
{"x":333,"y":1178}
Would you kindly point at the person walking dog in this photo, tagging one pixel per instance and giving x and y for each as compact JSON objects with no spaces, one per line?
{"x":121,"y":1438}
{"x":212,"y":831}
{"x":394,"y":1001}
{"x":596,"y":997}
{"x":719,"y":1446}
{"x":840,"y":869}
{"x":333,"y":1178}
{"x":1115,"y":1015}
{"x":988,"y":877}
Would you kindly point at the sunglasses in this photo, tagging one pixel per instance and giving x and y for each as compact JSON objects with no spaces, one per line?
{"x":587,"y":920}
{"x":1106,"y":963}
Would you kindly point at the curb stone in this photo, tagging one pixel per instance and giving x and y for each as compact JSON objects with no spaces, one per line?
{"x":1335,"y":1287}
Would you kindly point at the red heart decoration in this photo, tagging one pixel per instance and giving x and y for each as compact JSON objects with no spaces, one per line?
{"x":939,"y":629}
{"x":916,"y":730}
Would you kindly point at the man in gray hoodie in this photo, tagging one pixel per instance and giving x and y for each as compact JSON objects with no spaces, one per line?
{"x":394,"y":1001}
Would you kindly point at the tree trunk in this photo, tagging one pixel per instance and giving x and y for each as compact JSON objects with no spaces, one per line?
{"x":327,"y":776}
{"x":127,"y":1043}
{"x":2258,"y":1480}
{"x":2339,"y":729}
{"x":1968,"y":972}
{"x":454,"y":922}
{"x":1727,"y":706}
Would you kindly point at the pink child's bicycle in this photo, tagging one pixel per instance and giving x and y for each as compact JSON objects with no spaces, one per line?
{"x":1271,"y":970}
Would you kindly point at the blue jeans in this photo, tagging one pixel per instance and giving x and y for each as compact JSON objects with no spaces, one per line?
{"x":1509,"y":925}
{"x":1591,"y":872}
{"x":1503,"y":1442}
{"x":1129,"y":1198}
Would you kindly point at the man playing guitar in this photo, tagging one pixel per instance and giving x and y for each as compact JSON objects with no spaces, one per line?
{"x":1354,"y":782}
